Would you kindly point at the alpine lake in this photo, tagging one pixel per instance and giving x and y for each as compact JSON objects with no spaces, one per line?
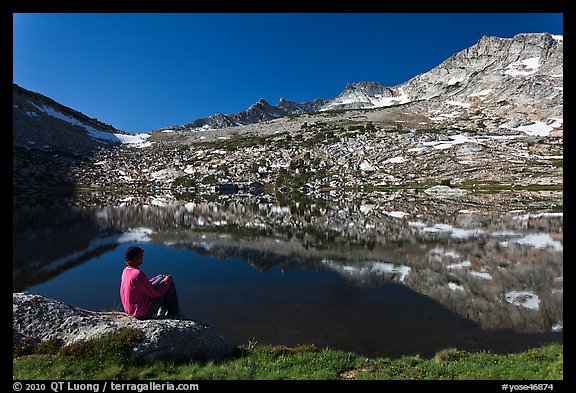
{"x":376,"y":272}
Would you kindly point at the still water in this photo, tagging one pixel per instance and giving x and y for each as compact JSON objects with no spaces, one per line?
{"x":377,"y":274}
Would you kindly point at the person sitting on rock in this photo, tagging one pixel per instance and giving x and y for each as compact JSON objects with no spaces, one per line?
{"x":140,"y":297}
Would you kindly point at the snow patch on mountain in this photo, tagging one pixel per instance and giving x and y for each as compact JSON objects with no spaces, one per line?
{"x":523,"y":67}
{"x":537,"y":128}
{"x":134,"y":140}
{"x":523,"y":299}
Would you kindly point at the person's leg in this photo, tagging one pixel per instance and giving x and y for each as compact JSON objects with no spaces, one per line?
{"x":170,"y":301}
{"x":153,"y":310}
{"x":166,"y":303}
{"x":155,"y":306}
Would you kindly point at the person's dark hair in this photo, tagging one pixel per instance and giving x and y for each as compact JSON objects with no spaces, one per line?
{"x":132,"y":252}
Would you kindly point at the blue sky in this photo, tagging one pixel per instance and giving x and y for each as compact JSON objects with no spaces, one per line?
{"x":145,"y":71}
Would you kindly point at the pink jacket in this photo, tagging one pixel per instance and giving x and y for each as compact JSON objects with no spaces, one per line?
{"x":136,"y":291}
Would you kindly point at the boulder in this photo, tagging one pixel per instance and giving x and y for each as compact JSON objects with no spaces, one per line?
{"x":41,"y":318}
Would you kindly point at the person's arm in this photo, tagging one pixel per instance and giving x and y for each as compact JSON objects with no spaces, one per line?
{"x":146,"y":287}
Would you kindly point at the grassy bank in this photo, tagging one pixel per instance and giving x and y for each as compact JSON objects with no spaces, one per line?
{"x":111,"y":358}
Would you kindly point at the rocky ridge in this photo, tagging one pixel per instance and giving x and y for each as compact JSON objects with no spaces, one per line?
{"x":519,"y":71}
{"x":48,"y":138}
{"x":40,"y":123}
{"x":493,"y":112}
{"x":256,"y":113}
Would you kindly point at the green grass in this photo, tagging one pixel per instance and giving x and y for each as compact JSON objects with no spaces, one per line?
{"x":484,"y":185}
{"x":111,"y":358}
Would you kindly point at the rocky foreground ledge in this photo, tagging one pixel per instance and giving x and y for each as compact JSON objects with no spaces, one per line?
{"x":41,"y":318}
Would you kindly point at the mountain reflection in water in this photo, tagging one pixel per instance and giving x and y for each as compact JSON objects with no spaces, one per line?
{"x":376,"y":273}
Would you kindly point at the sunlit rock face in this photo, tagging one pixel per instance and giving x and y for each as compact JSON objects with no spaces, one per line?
{"x":493,"y":66}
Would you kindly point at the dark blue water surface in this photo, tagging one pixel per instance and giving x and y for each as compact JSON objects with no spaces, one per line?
{"x":300,"y":306}
{"x":328,"y":275}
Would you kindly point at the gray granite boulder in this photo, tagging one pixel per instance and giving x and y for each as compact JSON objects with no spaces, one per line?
{"x":41,"y":318}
